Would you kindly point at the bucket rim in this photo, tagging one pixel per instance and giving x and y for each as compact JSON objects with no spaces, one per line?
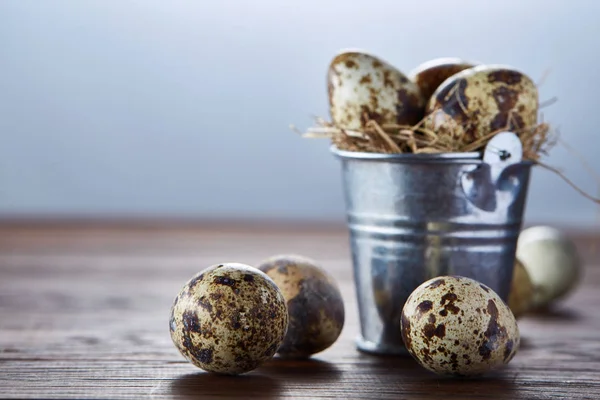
{"x":407,"y":157}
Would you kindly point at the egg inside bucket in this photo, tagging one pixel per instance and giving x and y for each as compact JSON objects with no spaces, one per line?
{"x":430,"y":74}
{"x":364,"y":87}
{"x":457,"y":326}
{"x":482,"y":100}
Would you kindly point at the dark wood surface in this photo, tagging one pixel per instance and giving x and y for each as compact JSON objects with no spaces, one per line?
{"x":84,"y":314}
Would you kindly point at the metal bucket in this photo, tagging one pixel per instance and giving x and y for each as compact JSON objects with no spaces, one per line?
{"x":413,"y":217}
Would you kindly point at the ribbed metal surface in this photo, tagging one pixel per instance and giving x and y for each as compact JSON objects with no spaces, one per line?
{"x":429,"y":216}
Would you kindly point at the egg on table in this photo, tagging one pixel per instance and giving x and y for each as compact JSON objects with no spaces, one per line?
{"x":229,"y":319}
{"x":429,"y":75}
{"x":522,"y":291}
{"x":481,"y":100}
{"x":457,"y":326}
{"x":361,"y":84}
{"x":551,"y":260}
{"x":314,"y":302}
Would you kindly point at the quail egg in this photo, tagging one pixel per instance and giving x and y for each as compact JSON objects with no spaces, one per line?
{"x":430,"y":74}
{"x":521,"y":291}
{"x":229,"y":319}
{"x":361,"y":84}
{"x":481,"y":100}
{"x":457,"y":326}
{"x":552,"y":261}
{"x":314,"y":301}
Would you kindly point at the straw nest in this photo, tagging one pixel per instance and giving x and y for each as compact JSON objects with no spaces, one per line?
{"x":396,"y":139}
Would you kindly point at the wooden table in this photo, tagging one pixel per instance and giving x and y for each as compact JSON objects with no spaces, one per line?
{"x":84,"y":314}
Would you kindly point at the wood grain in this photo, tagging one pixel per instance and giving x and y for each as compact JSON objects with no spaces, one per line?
{"x":84,"y":314}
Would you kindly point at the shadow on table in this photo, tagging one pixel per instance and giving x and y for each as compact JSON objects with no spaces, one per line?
{"x":302,"y":370}
{"x":556,"y":314}
{"x":364,"y":376}
{"x":203,"y":384}
{"x":403,"y":375}
{"x":266,"y":382}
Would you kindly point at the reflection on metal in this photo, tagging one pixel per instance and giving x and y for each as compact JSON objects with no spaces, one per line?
{"x":414,"y":217}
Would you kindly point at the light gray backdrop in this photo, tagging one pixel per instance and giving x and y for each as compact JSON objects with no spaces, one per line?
{"x":182,"y":107}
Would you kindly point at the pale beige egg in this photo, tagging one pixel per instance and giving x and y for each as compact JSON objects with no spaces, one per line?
{"x":478,"y":101}
{"x":430,"y":74}
{"x":229,"y":319}
{"x":362,"y":87}
{"x":522,"y":291}
{"x":314,"y":301}
{"x":457,"y":326}
{"x":551,"y":260}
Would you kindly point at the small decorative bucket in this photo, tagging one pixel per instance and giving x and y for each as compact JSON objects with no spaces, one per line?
{"x":412,"y":217}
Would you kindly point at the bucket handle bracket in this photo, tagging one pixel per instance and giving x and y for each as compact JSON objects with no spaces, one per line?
{"x":496,"y":181}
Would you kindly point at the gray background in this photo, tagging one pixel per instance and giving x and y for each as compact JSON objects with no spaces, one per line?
{"x":181,"y":108}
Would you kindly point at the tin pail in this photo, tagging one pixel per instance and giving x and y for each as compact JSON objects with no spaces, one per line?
{"x":412,"y":217}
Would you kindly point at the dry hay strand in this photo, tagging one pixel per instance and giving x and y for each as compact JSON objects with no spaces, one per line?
{"x":397,"y":139}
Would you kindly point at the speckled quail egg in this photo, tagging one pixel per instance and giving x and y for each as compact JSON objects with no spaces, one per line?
{"x":229,"y":319}
{"x":430,"y":74}
{"x":520,"y":299}
{"x":481,"y":100}
{"x":360,"y":83}
{"x":314,"y":301}
{"x":552,"y":261}
{"x":457,"y":326}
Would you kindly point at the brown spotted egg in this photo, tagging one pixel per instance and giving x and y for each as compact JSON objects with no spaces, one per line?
{"x":522,"y":291}
{"x":361,"y":84}
{"x":457,"y":326}
{"x":430,"y":74}
{"x":229,"y":319}
{"x":481,"y":100}
{"x":314,"y":301}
